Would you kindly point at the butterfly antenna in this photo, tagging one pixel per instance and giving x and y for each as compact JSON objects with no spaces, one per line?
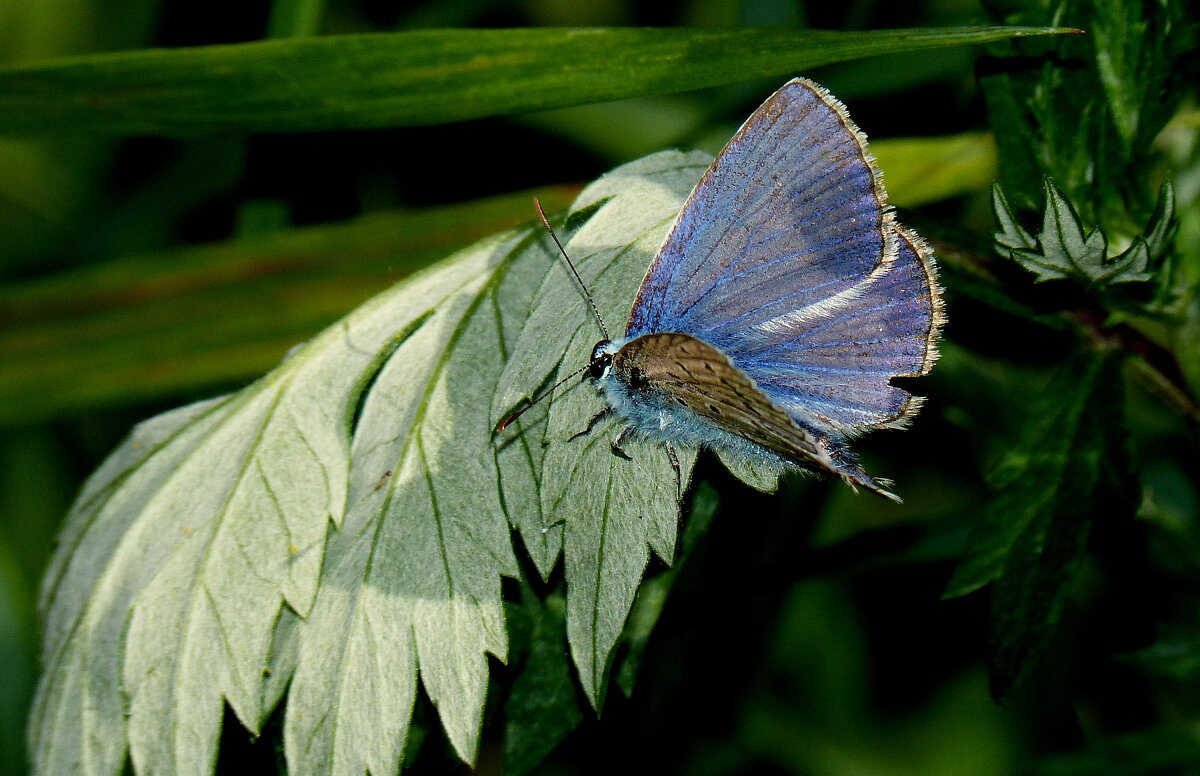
{"x":503,"y":424}
{"x":575,"y":272}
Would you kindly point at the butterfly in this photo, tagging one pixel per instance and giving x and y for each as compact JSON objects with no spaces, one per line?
{"x":782,"y":303}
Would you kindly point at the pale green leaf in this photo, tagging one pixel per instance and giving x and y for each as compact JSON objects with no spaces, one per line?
{"x":612,"y":511}
{"x":175,"y":571}
{"x":77,"y":724}
{"x":188,"y":554}
{"x":340,"y":527}
{"x":1012,"y":236}
{"x":412,"y":581}
{"x":1063,"y":240}
{"x":756,"y":475}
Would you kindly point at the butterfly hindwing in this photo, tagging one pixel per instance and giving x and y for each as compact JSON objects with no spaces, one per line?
{"x":837,"y":368}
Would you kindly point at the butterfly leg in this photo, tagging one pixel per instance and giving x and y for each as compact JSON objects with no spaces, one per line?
{"x":616,"y":444}
{"x":599,"y":416}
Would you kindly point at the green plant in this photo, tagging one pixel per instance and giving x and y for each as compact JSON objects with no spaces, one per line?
{"x":344,"y":531}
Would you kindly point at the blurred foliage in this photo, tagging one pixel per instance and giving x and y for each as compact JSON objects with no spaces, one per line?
{"x":419,"y":77}
{"x":1068,"y":464}
{"x":798,"y":633}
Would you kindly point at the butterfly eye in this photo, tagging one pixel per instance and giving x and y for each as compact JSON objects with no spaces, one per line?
{"x":601,"y":360}
{"x":599,"y":368}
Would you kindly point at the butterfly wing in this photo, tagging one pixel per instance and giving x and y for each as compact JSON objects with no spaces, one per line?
{"x":835,"y":369}
{"x":786,"y":257}
{"x":790,"y":215}
{"x":678,"y":370}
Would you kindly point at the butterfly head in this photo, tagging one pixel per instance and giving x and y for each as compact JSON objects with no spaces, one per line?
{"x":598,"y":368}
{"x":602,"y":357}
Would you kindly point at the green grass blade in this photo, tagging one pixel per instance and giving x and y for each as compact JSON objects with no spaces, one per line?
{"x":420,"y":77}
{"x":201,"y":318}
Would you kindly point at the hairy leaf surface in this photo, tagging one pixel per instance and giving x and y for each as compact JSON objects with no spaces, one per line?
{"x":609,"y":511}
{"x":340,"y":527}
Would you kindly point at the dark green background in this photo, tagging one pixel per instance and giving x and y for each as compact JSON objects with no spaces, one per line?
{"x":805,"y":633}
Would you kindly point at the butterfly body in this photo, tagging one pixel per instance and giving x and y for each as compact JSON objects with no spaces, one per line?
{"x":676,"y":389}
{"x":782,"y":303}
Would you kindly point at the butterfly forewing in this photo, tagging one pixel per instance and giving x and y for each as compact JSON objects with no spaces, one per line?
{"x":790,"y":214}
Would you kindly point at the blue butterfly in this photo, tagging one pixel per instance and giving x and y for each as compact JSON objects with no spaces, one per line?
{"x":782,"y":303}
